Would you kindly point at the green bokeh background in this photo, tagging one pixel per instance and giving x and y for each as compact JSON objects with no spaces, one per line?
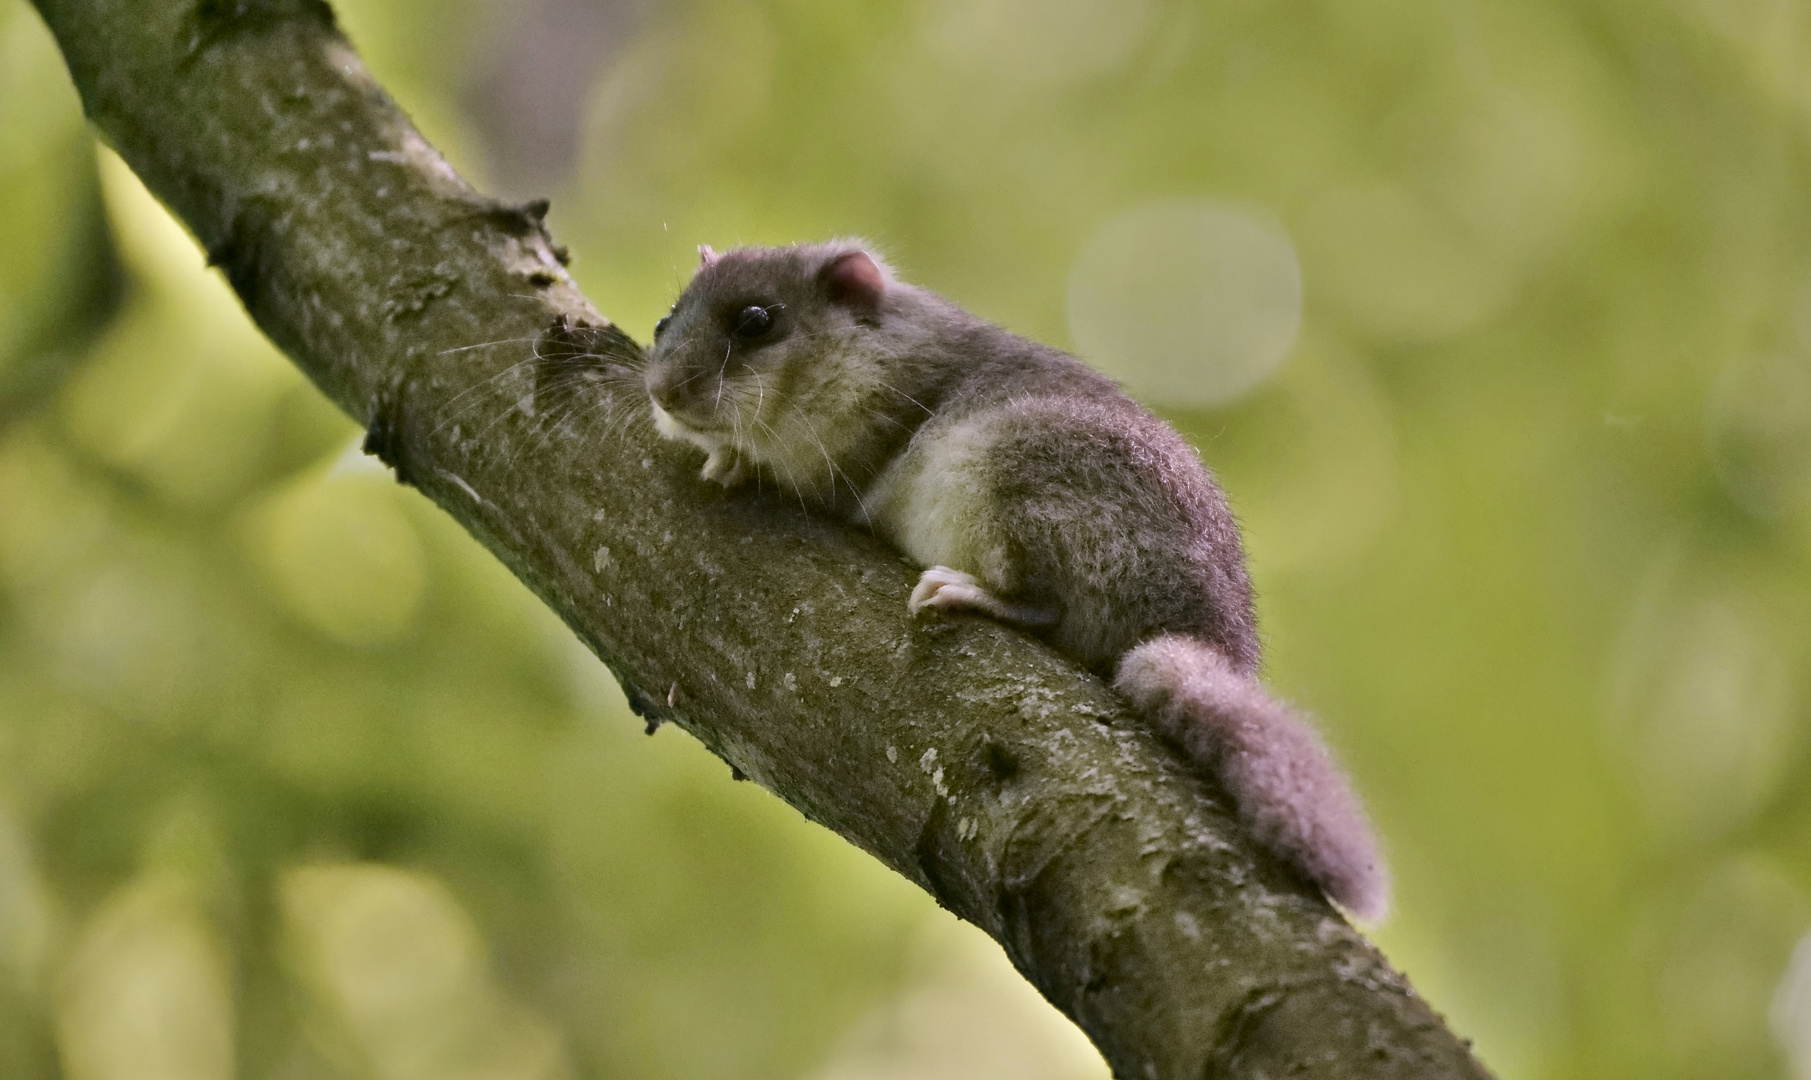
{"x":296,"y":782}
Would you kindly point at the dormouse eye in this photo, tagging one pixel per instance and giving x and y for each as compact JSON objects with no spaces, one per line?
{"x":661,"y":326}
{"x":754,"y":321}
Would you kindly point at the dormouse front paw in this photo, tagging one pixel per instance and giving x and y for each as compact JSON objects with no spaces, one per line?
{"x":724,"y":467}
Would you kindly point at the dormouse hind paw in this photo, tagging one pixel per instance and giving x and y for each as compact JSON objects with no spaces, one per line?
{"x":724,"y":467}
{"x":942,"y":589}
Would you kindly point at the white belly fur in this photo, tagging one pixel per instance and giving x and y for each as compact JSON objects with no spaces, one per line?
{"x":929,"y":503}
{"x":669,"y":427}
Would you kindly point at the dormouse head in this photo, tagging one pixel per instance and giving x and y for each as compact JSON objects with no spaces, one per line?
{"x":761,"y":335}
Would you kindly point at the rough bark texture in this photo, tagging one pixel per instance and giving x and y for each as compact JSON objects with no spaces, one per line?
{"x":970,"y":759}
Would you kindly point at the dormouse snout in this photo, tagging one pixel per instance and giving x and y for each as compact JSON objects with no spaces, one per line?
{"x":664,"y":385}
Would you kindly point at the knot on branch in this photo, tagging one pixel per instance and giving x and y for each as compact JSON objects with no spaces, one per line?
{"x":519,"y":219}
{"x":243,"y":254}
{"x":383,"y":435}
{"x":573,"y":355}
{"x":213,"y":21}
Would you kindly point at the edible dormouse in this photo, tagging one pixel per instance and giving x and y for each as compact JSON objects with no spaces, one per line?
{"x":1028,"y":487}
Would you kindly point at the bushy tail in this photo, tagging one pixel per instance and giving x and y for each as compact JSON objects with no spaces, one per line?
{"x":1289,"y":791}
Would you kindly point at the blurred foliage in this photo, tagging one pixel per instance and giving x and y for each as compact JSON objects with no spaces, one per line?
{"x":1495,"y":319}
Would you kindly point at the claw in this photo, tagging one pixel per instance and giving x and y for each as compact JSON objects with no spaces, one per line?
{"x":724,"y":467}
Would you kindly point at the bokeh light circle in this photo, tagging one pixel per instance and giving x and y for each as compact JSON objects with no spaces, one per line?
{"x":1188,"y":302}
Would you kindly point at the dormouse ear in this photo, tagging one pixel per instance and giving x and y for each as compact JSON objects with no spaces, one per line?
{"x":707,"y":256}
{"x":854,"y":279}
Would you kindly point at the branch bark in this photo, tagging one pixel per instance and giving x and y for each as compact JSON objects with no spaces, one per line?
{"x":976,"y":762}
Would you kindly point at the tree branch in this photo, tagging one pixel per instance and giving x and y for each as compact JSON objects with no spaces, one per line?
{"x":974,"y":761}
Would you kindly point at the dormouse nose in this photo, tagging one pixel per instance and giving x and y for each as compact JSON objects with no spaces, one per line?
{"x":663,"y":383}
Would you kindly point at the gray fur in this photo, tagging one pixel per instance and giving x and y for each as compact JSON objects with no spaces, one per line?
{"x":1031,"y":489}
{"x":1289,"y":791}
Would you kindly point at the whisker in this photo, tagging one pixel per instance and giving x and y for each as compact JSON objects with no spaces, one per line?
{"x":790,"y":478}
{"x":728,"y":347}
{"x":834,"y":471}
{"x":907,"y":396}
{"x":482,"y":384}
{"x":485,"y":345}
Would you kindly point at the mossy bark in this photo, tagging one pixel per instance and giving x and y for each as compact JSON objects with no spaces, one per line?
{"x":976,"y":762}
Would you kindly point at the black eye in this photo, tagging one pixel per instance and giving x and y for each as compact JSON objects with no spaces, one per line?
{"x":754,"y":321}
{"x":661,"y":326}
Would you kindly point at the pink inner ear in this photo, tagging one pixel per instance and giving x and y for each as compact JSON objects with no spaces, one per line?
{"x":706,"y":256}
{"x":855,"y":279}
